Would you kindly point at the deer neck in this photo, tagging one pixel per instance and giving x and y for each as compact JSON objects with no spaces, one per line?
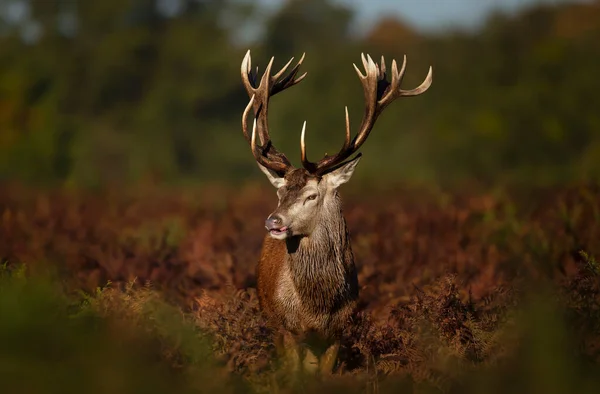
{"x":319,"y":262}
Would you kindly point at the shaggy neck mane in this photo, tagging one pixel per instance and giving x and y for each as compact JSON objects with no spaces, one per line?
{"x":318,"y":262}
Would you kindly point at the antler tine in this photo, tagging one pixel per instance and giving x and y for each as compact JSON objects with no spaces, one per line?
{"x":245,"y":118}
{"x":305,"y":163}
{"x":365,"y":62}
{"x":395,"y":91}
{"x":292,"y":73}
{"x":280,"y":72}
{"x":266,"y":154}
{"x":402,"y":70}
{"x":347,"y":141}
{"x":290,"y":79}
{"x":422,"y":88}
{"x":398,"y":76}
{"x":360,"y":75}
{"x":246,"y":71}
{"x":253,"y":147}
{"x":379,"y":93}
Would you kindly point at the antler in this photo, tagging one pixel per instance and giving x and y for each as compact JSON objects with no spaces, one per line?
{"x":379,"y":93}
{"x":265,"y":153}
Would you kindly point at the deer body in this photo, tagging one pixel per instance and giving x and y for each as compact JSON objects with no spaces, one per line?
{"x":306,"y":277}
{"x":309,"y":283}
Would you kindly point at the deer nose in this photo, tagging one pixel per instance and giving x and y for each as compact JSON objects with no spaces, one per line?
{"x":273,"y":222}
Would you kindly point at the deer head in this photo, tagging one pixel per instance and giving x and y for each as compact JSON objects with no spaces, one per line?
{"x":305,"y":193}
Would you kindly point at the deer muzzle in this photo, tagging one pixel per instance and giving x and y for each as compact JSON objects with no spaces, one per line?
{"x":275,"y":227}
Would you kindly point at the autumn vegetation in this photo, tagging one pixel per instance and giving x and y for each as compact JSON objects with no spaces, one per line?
{"x":457,"y":291}
{"x":131,"y":211}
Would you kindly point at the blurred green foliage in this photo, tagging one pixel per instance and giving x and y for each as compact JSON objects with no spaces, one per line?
{"x":118,"y":341}
{"x":116,"y":91}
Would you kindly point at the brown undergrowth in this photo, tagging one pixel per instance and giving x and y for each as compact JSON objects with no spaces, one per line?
{"x":445,"y":279}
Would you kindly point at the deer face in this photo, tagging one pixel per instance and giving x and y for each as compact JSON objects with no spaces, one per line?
{"x":302,"y":197}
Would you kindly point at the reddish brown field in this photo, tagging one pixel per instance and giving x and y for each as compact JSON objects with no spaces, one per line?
{"x":444,"y":277}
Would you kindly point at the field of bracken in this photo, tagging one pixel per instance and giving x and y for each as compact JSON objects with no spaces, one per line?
{"x":153,"y":291}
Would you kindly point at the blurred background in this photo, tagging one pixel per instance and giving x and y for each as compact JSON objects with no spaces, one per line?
{"x":123,"y":246}
{"x":119,"y":92}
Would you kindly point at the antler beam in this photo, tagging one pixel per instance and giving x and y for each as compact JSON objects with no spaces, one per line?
{"x":265,"y":153}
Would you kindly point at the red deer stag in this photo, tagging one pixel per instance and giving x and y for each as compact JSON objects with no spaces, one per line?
{"x":306,"y":278}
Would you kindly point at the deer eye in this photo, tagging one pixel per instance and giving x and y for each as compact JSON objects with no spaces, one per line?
{"x":311,"y":197}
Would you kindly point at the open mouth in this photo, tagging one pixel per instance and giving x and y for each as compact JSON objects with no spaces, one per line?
{"x":278,"y":231}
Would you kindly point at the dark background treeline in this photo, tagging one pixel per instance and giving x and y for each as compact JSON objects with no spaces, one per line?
{"x":118,"y":91}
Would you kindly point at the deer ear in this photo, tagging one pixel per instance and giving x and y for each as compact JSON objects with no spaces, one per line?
{"x":273,"y":177}
{"x":342,"y":174}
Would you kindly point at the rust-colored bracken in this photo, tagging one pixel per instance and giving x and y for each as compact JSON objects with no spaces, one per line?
{"x":438,"y":274}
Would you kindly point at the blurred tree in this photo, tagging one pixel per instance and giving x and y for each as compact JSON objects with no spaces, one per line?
{"x":303,"y":25}
{"x":106,"y":91}
{"x":391,"y":34}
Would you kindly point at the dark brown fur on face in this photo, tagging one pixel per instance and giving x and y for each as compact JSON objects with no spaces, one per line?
{"x":297,"y":178}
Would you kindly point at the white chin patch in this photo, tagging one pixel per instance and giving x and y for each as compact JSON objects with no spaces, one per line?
{"x":278,"y":234}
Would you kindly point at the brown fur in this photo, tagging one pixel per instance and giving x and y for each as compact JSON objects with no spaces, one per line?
{"x":307,"y":284}
{"x":267,"y":273}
